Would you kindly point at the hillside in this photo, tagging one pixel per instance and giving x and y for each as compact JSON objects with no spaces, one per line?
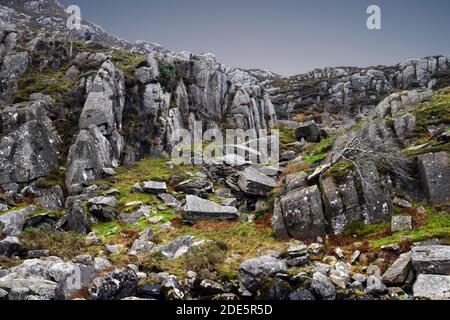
{"x":93,"y":206}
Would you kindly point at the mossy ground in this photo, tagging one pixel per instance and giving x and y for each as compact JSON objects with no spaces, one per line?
{"x":431,"y":225}
{"x":242,"y":238}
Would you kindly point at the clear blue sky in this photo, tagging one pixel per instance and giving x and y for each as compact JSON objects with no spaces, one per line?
{"x":284,"y":36}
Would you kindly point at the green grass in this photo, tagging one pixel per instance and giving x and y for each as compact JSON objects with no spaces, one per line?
{"x":145,"y":170}
{"x":47,"y":82}
{"x":438,"y":226}
{"x":319,"y":151}
{"x":434,"y":112}
{"x":340,"y":169}
{"x":127,"y":62}
{"x":287,"y":135}
{"x":243,"y":238}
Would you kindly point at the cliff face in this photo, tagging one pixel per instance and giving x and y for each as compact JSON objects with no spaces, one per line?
{"x":125,"y":105}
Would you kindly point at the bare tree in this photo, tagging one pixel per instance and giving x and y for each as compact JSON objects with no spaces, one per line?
{"x":363,"y":147}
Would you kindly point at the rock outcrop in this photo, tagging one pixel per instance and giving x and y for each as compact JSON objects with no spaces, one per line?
{"x":434,"y":171}
{"x":99,"y":144}
{"x":299,"y":214}
{"x":28,"y":144}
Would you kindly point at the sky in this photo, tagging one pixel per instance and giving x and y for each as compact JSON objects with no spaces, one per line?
{"x":287,"y":37}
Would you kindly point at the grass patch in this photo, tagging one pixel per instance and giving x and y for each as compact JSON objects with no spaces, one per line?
{"x":241,"y":238}
{"x":287,"y":135}
{"x":434,"y":112}
{"x":65,"y":245}
{"x":437,"y":226}
{"x":128,"y":62}
{"x":319,"y":151}
{"x":145,"y":170}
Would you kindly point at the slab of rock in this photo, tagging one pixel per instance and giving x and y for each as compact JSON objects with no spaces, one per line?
{"x":197,"y":187}
{"x":323,"y":287}
{"x":76,"y":216}
{"x":399,"y":270}
{"x":9,"y":246}
{"x":141,"y":247}
{"x":12,"y":223}
{"x":103,"y":208}
{"x":401,"y":203}
{"x":299,"y":214}
{"x":169,"y":200}
{"x":433,"y":259}
{"x":252,"y":272}
{"x":401,"y":223}
{"x":176,"y":248}
{"x":199,"y":209}
{"x":155,"y":187}
{"x":308,"y":131}
{"x":114,"y":285}
{"x":51,"y":199}
{"x":432,"y":287}
{"x":434,"y":171}
{"x":255,"y":182}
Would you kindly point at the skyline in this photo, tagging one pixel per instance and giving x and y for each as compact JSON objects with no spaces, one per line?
{"x":287,"y":37}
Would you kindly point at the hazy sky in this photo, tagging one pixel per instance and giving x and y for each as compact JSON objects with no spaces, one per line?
{"x":284,"y":36}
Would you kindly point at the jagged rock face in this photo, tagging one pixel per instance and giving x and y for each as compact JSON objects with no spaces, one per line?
{"x":353,"y":91}
{"x":100,"y":143}
{"x":28,"y":143}
{"x":299,"y":214}
{"x":51,"y":16}
{"x":341,"y":200}
{"x":200,"y":89}
{"x":13,"y":65}
{"x":434,"y":171}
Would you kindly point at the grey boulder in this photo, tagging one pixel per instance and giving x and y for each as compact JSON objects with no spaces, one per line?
{"x":433,"y":259}
{"x":199,"y":209}
{"x":114,"y":285}
{"x":432,"y":287}
{"x":252,"y":272}
{"x":255,"y":182}
{"x":434,"y":171}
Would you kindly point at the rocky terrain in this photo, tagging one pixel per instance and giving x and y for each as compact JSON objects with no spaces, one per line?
{"x":92,"y":207}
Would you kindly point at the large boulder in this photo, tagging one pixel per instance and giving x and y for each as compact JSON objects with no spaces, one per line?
{"x":114,"y":285}
{"x":432,"y":287}
{"x":9,"y":246}
{"x":299,"y":214}
{"x":431,"y":259}
{"x":14,"y":65}
{"x":252,"y":272}
{"x":434,"y":171}
{"x":12,"y":223}
{"x":103,"y":208}
{"x":51,"y":199}
{"x":399,"y":270}
{"x":104,"y":104}
{"x":76,"y":216}
{"x":27,"y":143}
{"x":254,"y":182}
{"x":199,"y":209}
{"x":341,"y":201}
{"x":99,"y":144}
{"x":87,"y":157}
{"x":308,"y":131}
